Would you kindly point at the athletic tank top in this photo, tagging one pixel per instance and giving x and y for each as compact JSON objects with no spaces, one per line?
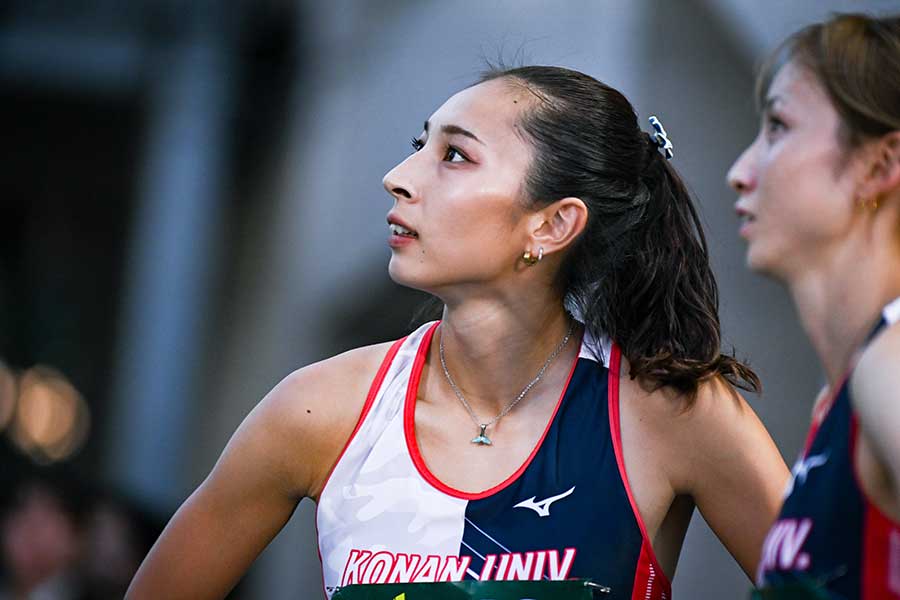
{"x":566,"y":512}
{"x":829,"y":536}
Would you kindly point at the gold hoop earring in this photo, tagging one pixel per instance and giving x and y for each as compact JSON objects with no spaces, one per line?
{"x":870,"y":204}
{"x":531,"y":260}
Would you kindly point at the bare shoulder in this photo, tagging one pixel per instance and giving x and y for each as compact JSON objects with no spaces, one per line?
{"x":717,"y":407}
{"x":712,"y":413}
{"x":312,"y":412}
{"x":328,"y":388}
{"x":705,"y":434}
{"x":875,"y":382}
{"x":711,"y":448}
{"x":720,"y":426}
{"x":878,"y":364}
{"x":875,"y":387}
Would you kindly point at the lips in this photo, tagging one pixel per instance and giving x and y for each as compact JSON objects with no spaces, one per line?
{"x":744,"y":214}
{"x":746,"y":217}
{"x":402,"y":231}
{"x":399,"y":228}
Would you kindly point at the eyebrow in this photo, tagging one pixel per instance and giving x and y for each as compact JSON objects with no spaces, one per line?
{"x":456,"y":130}
{"x":770,"y":103}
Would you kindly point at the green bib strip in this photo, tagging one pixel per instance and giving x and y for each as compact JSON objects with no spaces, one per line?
{"x":477,"y":590}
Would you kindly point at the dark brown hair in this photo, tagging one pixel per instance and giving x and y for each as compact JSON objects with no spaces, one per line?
{"x":856,"y":59}
{"x":640,"y":271}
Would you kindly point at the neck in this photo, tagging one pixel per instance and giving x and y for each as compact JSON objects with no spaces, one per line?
{"x":495,"y":346}
{"x":841,"y":300}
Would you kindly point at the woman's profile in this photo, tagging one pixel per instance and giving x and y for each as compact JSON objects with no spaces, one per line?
{"x":819,"y":199}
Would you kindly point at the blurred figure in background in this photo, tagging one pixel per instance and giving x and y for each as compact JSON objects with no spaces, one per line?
{"x":116,"y":535}
{"x":820,"y":202}
{"x":62,"y":541}
{"x":40,"y":539}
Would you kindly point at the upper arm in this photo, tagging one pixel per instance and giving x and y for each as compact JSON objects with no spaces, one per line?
{"x":227,"y":521}
{"x":732,"y":469}
{"x":280,"y":453}
{"x":876,"y":400}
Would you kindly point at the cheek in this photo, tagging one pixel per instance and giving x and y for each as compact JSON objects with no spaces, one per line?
{"x":804,"y":217}
{"x":483,"y":216}
{"x":802,"y":186}
{"x":469,"y":234}
{"x":803,"y":208}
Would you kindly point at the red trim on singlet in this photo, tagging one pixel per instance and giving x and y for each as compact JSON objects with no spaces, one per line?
{"x":409,"y":429}
{"x":367,"y":406}
{"x":370,"y":400}
{"x":821,"y":412}
{"x":880,"y":577}
{"x":650,"y":582}
{"x":881,"y":557}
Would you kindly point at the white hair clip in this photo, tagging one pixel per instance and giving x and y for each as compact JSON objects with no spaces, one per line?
{"x":662,"y":140}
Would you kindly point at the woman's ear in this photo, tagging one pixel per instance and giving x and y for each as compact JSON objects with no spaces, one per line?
{"x":882,"y":176}
{"x":561,"y":223}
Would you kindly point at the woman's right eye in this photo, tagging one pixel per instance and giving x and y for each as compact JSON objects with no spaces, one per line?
{"x":417,"y":144}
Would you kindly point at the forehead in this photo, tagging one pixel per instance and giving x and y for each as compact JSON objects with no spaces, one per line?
{"x":795,"y":86}
{"x":491,"y":110}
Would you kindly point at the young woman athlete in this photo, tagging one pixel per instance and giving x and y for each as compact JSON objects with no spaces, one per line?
{"x":820,"y":201}
{"x":565,"y":416}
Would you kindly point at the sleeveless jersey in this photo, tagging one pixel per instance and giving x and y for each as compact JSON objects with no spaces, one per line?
{"x":567,"y":512}
{"x":829,"y":536}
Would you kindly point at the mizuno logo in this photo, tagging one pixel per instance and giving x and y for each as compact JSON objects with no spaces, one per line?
{"x":802,"y":468}
{"x":542,"y":508}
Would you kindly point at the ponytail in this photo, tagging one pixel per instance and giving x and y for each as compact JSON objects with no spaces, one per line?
{"x":659,"y":298}
{"x":640,"y":271}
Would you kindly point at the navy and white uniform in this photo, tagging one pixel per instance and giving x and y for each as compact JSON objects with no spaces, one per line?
{"x":566,"y":512}
{"x":829,"y":535}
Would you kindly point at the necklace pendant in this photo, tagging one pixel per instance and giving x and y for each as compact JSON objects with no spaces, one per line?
{"x":481,"y":439}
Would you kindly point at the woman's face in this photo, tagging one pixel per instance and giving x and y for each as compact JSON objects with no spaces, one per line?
{"x":461,"y":193}
{"x":796,"y":184}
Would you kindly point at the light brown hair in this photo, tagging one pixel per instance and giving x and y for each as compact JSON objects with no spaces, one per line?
{"x":856,"y":59}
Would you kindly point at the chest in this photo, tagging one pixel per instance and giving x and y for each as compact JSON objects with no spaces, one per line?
{"x":444,"y":434}
{"x":553,"y":506}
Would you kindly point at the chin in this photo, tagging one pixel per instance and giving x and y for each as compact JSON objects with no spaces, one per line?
{"x":764,"y":264}
{"x":395,"y":272}
{"x":402,"y":275}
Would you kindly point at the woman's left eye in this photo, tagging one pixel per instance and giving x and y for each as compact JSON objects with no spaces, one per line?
{"x":774,"y":126}
{"x":454,"y":155}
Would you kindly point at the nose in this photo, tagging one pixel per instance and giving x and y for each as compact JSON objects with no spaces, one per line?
{"x":397,"y":183}
{"x":741,"y":176}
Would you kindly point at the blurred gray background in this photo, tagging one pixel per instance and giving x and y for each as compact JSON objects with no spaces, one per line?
{"x":192,"y":208}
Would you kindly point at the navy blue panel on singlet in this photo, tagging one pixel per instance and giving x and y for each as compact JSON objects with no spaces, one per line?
{"x":819,"y":537}
{"x":577,"y":464}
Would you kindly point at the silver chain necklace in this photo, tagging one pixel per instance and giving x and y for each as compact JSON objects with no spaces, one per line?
{"x":482,"y":439}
